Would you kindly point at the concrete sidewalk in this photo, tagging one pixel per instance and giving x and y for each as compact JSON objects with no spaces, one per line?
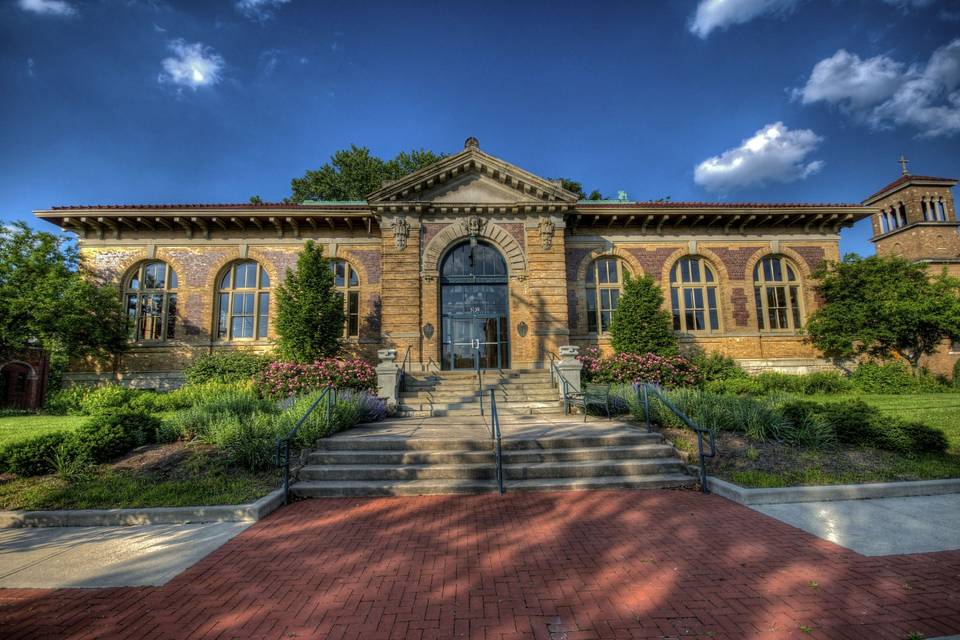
{"x":878,"y":527}
{"x":150,"y":555}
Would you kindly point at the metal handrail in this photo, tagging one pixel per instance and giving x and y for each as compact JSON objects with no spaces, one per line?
{"x":496,"y":435}
{"x":402,"y":373}
{"x":283,"y":444}
{"x":644,"y":389}
{"x":476,"y":360}
{"x":559,"y":380}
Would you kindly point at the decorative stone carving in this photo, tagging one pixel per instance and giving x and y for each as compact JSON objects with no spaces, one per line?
{"x":401,"y":230}
{"x":547,"y":227}
{"x":474,"y":225}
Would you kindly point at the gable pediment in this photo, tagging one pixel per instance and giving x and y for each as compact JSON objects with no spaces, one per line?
{"x":473,"y":176}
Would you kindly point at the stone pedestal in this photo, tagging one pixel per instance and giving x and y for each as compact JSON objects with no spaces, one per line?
{"x":388,"y":373}
{"x":570,"y":367}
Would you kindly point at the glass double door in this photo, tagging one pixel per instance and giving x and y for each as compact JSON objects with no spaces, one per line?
{"x":474,"y":341}
{"x":474,"y":330}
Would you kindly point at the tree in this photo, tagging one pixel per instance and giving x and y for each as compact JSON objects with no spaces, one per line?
{"x":595,"y":195}
{"x":309,"y":309}
{"x":576,"y":187}
{"x":881,"y":306}
{"x":47,"y":301}
{"x":353,"y":173}
{"x":640,"y":324}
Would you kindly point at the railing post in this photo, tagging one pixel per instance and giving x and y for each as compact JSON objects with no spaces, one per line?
{"x":566,"y":398}
{"x":569,"y":367}
{"x":703,"y":466}
{"x":646,"y":408}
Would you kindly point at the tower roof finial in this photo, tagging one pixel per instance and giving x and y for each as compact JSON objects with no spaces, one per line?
{"x":903,"y":165}
{"x":471,"y":142}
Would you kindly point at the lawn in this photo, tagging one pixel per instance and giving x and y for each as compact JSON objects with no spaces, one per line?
{"x":172,"y":475}
{"x":939,"y":410}
{"x":20,"y":427}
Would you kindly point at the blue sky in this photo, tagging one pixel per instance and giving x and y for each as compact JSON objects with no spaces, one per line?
{"x":118,"y":101}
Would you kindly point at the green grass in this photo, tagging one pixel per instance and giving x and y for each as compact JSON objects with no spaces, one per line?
{"x":895,"y":468}
{"x":19,"y":427}
{"x":939,"y":410}
{"x":197,"y":482}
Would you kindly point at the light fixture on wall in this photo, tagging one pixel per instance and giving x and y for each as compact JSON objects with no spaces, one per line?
{"x":522,"y":329}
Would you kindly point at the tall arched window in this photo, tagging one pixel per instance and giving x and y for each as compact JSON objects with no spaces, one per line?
{"x":243,"y":302}
{"x":777,"y":293}
{"x":902,"y":214}
{"x":941,"y":210}
{"x":151,"y":300}
{"x":693,"y":296}
{"x":604,"y":284}
{"x":348,"y":284}
{"x":925,"y":208}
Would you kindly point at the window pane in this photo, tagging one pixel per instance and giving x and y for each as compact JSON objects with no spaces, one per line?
{"x":135,"y":281}
{"x":132,"y":314}
{"x":338,"y":275}
{"x":172,"y":277}
{"x":225,"y":280}
{"x":689,"y":319}
{"x":795,"y":307}
{"x":605,"y":321}
{"x":699,"y":317}
{"x":591,"y":274}
{"x":263,"y":319}
{"x":612,"y":269}
{"x":353,"y":302}
{"x":756,"y":299}
{"x":222,"y":319}
{"x":675,"y":306}
{"x":614,"y":299}
{"x":777,"y":269}
{"x":592,"y":310}
{"x":604,"y":299}
{"x":708,"y":272}
{"x":602,"y":272}
{"x":673,"y":272}
{"x":767,"y":269}
{"x":264,"y":279}
{"x":171,"y":316}
{"x":714,"y":320}
{"x":694,"y":271}
{"x":712,"y":306}
{"x":354,"y":279}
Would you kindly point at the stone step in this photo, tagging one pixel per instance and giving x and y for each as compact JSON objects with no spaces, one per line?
{"x":473,"y":387}
{"x":511,"y":457}
{"x":502,"y":395}
{"x":475,"y":403}
{"x":404,"y":443}
{"x":474,"y":411}
{"x":355,"y":488}
{"x":487,"y":470}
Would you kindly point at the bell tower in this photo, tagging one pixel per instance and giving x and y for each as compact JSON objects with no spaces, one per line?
{"x":916,"y":218}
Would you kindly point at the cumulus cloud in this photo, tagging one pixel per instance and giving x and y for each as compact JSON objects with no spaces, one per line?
{"x":720,"y":14}
{"x":259,"y":10}
{"x":885,"y":93}
{"x":775,"y":153}
{"x":192,"y":65}
{"x":48,"y":7}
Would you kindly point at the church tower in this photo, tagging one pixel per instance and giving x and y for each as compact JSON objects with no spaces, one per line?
{"x":917,"y":219}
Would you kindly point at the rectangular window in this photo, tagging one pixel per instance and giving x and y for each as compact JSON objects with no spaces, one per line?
{"x":756,"y":297}
{"x":222,"y":320}
{"x":353,"y":314}
{"x":675,"y":305}
{"x":712,"y":302}
{"x":171,"y":316}
{"x":264,"y":312}
{"x":592,"y":310}
{"x":241,"y":322}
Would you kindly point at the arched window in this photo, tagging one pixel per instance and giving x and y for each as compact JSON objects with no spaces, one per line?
{"x":882,"y":217}
{"x":941,"y":211}
{"x":693,"y":296}
{"x":777,"y":294}
{"x":925,"y":208}
{"x":243,"y":302}
{"x":604,"y":284}
{"x":902,"y":215}
{"x":348,"y":284}
{"x":151,"y":300}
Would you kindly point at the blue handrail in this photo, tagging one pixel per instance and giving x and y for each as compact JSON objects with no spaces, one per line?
{"x":644,"y":389}
{"x":283,"y":444}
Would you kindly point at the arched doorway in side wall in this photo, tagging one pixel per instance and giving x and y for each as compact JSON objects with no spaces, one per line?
{"x":474,"y":304}
{"x":15,"y":386}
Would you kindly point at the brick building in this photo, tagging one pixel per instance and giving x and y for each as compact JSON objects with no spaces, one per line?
{"x":470,"y":258}
{"x":916,"y":218}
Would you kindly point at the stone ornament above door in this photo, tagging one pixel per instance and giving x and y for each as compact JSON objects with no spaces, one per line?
{"x":401,"y":231}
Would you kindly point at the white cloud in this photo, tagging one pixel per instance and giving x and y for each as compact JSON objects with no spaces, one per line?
{"x":192,"y":65}
{"x":773,"y":154}
{"x":886,"y":93}
{"x":48,"y":7}
{"x":720,"y":14}
{"x":259,"y":10}
{"x":30,"y":66}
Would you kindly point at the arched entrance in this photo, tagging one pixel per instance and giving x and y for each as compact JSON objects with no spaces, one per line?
{"x":16,"y":380}
{"x":474,"y":324}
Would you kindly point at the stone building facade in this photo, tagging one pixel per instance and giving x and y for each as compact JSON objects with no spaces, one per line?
{"x":469,"y":261}
{"x":916,"y":218}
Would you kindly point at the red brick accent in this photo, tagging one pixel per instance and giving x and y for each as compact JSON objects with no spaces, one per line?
{"x":516,"y":230}
{"x":602,"y":564}
{"x":735,"y":260}
{"x":430,"y":229}
{"x":652,"y":259}
{"x":371,"y":263}
{"x":572,"y":315}
{"x":574,"y":258}
{"x":194,"y":266}
{"x":813,"y":256}
{"x":739,"y":300}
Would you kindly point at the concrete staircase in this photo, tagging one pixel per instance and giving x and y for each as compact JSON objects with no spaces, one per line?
{"x":456,"y":393}
{"x":535,"y":457}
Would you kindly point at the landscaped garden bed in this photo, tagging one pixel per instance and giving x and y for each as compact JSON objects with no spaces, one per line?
{"x":210,"y":442}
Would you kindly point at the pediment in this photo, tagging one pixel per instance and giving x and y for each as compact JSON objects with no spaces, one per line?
{"x":473,"y":176}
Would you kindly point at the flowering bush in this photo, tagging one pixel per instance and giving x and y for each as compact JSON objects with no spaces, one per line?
{"x":667,"y":371}
{"x":285,"y":379}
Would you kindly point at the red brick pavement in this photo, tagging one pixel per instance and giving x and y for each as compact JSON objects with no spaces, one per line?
{"x":552,"y":566}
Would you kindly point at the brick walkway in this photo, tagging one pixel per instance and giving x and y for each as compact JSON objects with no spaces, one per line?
{"x":656,"y":564}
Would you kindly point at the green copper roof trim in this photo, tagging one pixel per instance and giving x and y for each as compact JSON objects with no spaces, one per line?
{"x":606,"y":202}
{"x":334,"y":202}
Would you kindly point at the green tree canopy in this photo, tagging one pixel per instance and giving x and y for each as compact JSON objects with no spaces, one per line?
{"x":577,"y":188}
{"x":880,"y":306}
{"x":640,"y":324}
{"x":46,"y":301}
{"x":309,"y":309}
{"x":353,"y":173}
